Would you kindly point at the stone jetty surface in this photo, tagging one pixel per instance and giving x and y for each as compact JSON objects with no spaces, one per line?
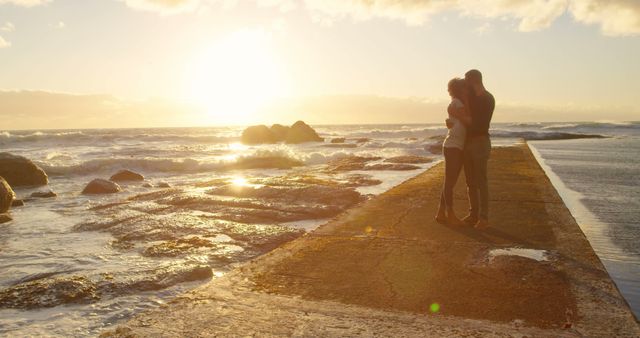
{"x":386,"y":268}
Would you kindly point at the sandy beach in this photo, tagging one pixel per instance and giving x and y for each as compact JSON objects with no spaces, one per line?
{"x":386,"y":268}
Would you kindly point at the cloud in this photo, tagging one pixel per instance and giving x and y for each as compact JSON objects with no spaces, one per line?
{"x":164,"y":7}
{"x":615,"y":18}
{"x":25,"y":3}
{"x":8,"y":27}
{"x":4,"y":43}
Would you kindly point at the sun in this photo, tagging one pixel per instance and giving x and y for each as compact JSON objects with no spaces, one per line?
{"x":235,"y":76}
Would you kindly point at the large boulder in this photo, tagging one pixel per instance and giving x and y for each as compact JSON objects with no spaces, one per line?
{"x":100,"y":186}
{"x":280,"y":132}
{"x":258,"y":135}
{"x":20,"y":171}
{"x":126,"y":175}
{"x":6,"y":195}
{"x":301,"y":132}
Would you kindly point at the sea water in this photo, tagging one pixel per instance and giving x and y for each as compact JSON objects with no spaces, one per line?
{"x":218,"y":216}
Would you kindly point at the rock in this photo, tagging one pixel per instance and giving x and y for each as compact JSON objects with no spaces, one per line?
{"x":100,"y":186}
{"x":147,"y":185}
{"x":5,"y":218}
{"x":338,"y":140}
{"x":49,"y":293}
{"x":409,"y":159}
{"x":20,"y":171}
{"x":340,"y":145}
{"x":17,"y":203}
{"x":6,"y":195}
{"x":435,"y":148}
{"x":44,"y":194}
{"x":301,"y":132}
{"x":349,"y":163}
{"x":164,"y":185}
{"x":258,"y":135}
{"x":362,"y":140}
{"x":126,"y":175}
{"x":391,"y":166}
{"x":280,"y":132}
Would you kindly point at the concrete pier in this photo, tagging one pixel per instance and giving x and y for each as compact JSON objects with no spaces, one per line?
{"x":386,"y":268}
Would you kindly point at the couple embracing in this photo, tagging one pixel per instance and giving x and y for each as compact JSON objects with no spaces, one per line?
{"x":467,"y":146}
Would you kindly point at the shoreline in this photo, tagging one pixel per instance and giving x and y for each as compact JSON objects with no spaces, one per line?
{"x":387,"y":259}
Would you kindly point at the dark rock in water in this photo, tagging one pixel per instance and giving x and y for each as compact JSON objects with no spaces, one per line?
{"x":4,"y":218}
{"x":258,"y":135}
{"x":6,"y":195}
{"x":359,"y":180}
{"x":349,"y":163}
{"x":49,"y":293}
{"x":17,"y":203}
{"x":338,"y":140}
{"x":20,"y":171}
{"x":100,"y":186}
{"x":147,"y":185}
{"x":178,"y":247}
{"x":362,"y":140}
{"x":301,"y":132}
{"x":44,"y":194}
{"x":391,"y":166}
{"x":409,"y":159}
{"x":280,"y":132}
{"x":164,"y":185}
{"x":340,"y":145}
{"x":435,"y":148}
{"x":126,"y":175}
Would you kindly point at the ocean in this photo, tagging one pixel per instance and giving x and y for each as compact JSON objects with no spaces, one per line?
{"x":77,"y":264}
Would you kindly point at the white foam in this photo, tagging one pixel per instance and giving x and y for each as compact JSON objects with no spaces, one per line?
{"x":537,"y":255}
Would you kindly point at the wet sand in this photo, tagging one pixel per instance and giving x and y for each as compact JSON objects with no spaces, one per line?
{"x":386,"y":268}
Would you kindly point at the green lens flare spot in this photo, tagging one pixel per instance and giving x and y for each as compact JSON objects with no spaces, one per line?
{"x":434,"y":308}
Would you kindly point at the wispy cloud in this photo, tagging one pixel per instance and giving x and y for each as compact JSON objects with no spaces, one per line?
{"x":614,"y":17}
{"x":25,"y":3}
{"x":4,"y":43}
{"x":8,"y":27}
{"x":165,"y":7}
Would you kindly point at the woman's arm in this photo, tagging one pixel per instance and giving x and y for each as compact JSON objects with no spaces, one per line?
{"x":461,"y":113}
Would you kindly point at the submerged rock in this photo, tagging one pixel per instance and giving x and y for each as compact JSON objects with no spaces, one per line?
{"x":4,"y":218}
{"x":20,"y":171}
{"x":6,"y":196}
{"x":126,"y":175}
{"x":100,"y":186}
{"x":409,"y":159}
{"x":178,"y":247}
{"x":258,"y":135}
{"x":391,"y":166}
{"x":49,"y":293}
{"x":44,"y":194}
{"x":338,"y":140}
{"x":301,"y":132}
{"x":164,"y":185}
{"x":17,"y":203}
{"x":349,"y":163}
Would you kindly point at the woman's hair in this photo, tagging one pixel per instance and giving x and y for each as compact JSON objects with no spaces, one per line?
{"x":457,"y":88}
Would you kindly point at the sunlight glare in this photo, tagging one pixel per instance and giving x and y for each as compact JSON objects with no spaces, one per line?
{"x":235,"y":77}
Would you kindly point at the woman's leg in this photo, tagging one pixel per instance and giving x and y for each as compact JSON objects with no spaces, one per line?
{"x":454,"y":160}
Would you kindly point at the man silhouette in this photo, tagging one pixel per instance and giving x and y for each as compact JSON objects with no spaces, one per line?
{"x":477,"y":150}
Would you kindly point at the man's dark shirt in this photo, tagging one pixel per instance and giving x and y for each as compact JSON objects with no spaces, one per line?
{"x":481,"y":113}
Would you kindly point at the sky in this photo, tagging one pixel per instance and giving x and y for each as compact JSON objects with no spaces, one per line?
{"x":132,"y":63}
